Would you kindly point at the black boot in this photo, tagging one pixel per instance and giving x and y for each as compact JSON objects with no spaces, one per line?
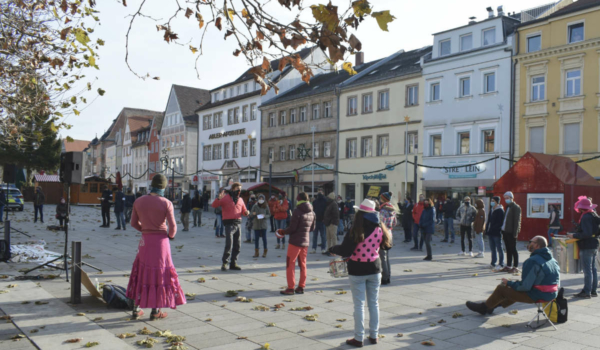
{"x":477,"y":307}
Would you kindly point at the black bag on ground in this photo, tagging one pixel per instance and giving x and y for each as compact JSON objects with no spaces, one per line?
{"x":561,"y":307}
{"x":115,"y":297}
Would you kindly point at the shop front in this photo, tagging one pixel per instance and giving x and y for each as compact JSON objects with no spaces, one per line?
{"x":359,"y":187}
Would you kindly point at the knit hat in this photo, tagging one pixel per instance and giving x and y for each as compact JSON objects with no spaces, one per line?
{"x":496,"y":199}
{"x":159,"y":181}
{"x":331,"y":195}
{"x":509,"y":194}
{"x":386,"y":196}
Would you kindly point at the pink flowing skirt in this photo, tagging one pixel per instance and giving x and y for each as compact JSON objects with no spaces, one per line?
{"x":153,"y":282}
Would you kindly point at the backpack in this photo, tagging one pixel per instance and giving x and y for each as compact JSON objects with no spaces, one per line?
{"x":115,"y":297}
{"x":559,"y":309}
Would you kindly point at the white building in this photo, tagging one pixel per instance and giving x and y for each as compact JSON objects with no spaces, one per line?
{"x":132,"y":126}
{"x":111,"y":160}
{"x":139,"y":154}
{"x":467,"y":110}
{"x":178,"y":132}
{"x":231,"y":124}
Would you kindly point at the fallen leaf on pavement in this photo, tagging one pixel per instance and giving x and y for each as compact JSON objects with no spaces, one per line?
{"x":273,"y":275}
{"x":74,"y":340}
{"x":506,"y":325}
{"x":91,"y":344}
{"x":408,"y":270}
{"x":270,"y":324}
{"x":242,"y":337}
{"x":80,"y":314}
{"x":190,"y":296}
{"x":338,"y":326}
{"x":311,"y":317}
{"x":428,"y":343}
{"x":12,"y":286}
{"x":18,"y":337}
{"x":399,"y":335}
{"x":98,"y":319}
{"x":457,"y":315}
{"x":302,"y":308}
{"x":201,"y":280}
{"x":341,"y":320}
{"x":341,"y":292}
{"x":231,"y":293}
{"x":41,"y":302}
{"x":145,"y":331}
{"x":126,"y":335}
{"x":442,"y":321}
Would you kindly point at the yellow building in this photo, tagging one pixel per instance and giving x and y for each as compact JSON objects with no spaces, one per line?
{"x":557,"y":85}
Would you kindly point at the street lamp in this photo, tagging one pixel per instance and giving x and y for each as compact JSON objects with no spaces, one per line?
{"x":406,"y":120}
{"x":165,"y":160}
{"x":249,"y":150}
{"x":313,"y":129}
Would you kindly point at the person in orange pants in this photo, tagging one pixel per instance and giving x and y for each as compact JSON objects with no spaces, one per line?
{"x":301,"y":224}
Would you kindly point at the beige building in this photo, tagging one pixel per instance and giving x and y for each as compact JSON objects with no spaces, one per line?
{"x":373,"y":133}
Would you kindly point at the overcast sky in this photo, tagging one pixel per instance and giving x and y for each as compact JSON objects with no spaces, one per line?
{"x":149,"y":53}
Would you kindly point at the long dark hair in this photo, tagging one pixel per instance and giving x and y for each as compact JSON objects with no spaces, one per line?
{"x":357,"y":232}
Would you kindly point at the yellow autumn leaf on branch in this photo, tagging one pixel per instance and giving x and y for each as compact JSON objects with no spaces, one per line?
{"x":347,"y":66}
{"x":383,"y":18}
{"x":193,"y":49}
{"x":361,"y":8}
{"x":230,"y":13}
{"x":244,"y":13}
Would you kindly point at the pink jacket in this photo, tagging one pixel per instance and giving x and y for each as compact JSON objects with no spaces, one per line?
{"x":150,"y":214}
{"x":231,"y":211}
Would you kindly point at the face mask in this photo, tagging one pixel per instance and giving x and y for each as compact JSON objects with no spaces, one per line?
{"x":493,"y":204}
{"x":253,"y":198}
{"x":420,"y":199}
{"x":62,"y":201}
{"x":508,"y":201}
{"x":339,"y":201}
{"x":467,"y":203}
{"x":261,"y":201}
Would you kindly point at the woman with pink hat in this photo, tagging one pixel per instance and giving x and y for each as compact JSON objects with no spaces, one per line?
{"x":587,"y":234}
{"x":361,"y":244}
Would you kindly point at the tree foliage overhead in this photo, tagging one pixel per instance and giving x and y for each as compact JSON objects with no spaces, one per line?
{"x":45,"y":47}
{"x":260,"y":36}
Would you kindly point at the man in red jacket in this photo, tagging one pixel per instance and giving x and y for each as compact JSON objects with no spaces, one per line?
{"x":416,"y":213}
{"x":233,"y":208}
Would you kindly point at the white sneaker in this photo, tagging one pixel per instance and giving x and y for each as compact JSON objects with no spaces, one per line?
{"x":461,"y":253}
{"x":323,"y":251}
{"x":471,"y":254}
{"x":314,"y":251}
{"x":498,"y":267}
{"x":492,"y":267}
{"x":480,"y":255}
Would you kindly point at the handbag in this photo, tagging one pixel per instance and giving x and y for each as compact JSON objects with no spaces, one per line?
{"x":338,"y":267}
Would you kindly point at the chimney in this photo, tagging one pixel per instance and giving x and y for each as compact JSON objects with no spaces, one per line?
{"x":472,"y":20}
{"x":490,"y":12}
{"x":500,"y":11}
{"x":360,"y":58}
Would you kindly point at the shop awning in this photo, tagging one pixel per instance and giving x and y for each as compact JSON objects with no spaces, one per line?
{"x":251,"y":186}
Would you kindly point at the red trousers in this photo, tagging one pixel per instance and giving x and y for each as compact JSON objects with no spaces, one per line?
{"x":296,"y":253}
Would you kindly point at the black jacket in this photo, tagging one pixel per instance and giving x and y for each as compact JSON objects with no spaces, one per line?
{"x":119,"y":202}
{"x":319,"y":206}
{"x":493,"y":227}
{"x":588,"y":231}
{"x":2,"y":199}
{"x":186,"y":204}
{"x":449,"y":209}
{"x":197,"y":202}
{"x":106,"y":197}
{"x":129,"y":200}
{"x":341,"y":207}
{"x":348,"y":246}
{"x":407,"y":219}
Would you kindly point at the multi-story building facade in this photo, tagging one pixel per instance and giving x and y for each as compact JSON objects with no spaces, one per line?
{"x":467,"y":107}
{"x":110,"y":166}
{"x":134,"y":126}
{"x":179,"y":134}
{"x":139,"y":154}
{"x":286,"y":135}
{"x":557,"y":85}
{"x":230,"y":136}
{"x":154,"y":153}
{"x":374,"y":132}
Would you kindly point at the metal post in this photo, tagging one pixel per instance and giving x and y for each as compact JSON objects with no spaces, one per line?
{"x":270,"y":175}
{"x":249,"y":140}
{"x":313,"y":128}
{"x":6,"y":204}
{"x":76,"y":277}
{"x":173,"y":181}
{"x":406,"y":119}
{"x":501,"y":109}
{"x":7,"y":236}
{"x":67,"y":224}
{"x":414,"y":191}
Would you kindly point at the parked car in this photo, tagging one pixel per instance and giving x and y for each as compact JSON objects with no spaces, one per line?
{"x":14,"y":198}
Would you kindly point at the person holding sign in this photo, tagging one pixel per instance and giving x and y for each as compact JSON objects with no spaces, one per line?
{"x":260,"y":215}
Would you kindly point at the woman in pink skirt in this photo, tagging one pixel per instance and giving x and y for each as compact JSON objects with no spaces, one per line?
{"x":153,"y":282}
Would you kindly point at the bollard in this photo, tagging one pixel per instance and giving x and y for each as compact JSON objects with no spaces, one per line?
{"x":7,"y":237}
{"x":76,"y":276}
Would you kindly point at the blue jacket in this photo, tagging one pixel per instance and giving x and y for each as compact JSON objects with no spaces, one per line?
{"x":426,"y":222}
{"x":539,"y":270}
{"x":495,"y":221}
{"x":119,"y":202}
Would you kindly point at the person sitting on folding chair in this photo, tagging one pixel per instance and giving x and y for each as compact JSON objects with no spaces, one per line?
{"x":540,"y":281}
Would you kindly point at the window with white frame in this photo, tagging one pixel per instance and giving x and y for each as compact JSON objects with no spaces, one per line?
{"x":225,"y":94}
{"x":303,"y":114}
{"x":316,"y":108}
{"x":292,"y":116}
{"x":412,"y":95}
{"x":576,"y":32}
{"x":573,"y":83}
{"x":236,"y":115}
{"x":489,"y":83}
{"x":383,"y":145}
{"x":413,"y":142}
{"x":464,"y":142}
{"x":282,"y":118}
{"x":244,"y":148}
{"x":352,"y":108}
{"x":246,"y":88}
{"x":489,"y":36}
{"x":226,"y":151}
{"x":217,"y":152}
{"x":244,"y":113}
{"x":466,"y":42}
{"x":436,"y":145}
{"x":271,"y":153}
{"x":445,"y":48}
{"x":236,"y":149}
{"x":253,"y":111}
{"x":383,"y":102}
{"x":465,"y":87}
{"x":367,"y":103}
{"x":351,"y":148}
{"x":231,"y":92}
{"x":253,"y":147}
{"x":571,"y":138}
{"x":282,"y":153}
{"x":239,"y":90}
{"x":292,"y":152}
{"x":326,"y":149}
{"x":207,"y":152}
{"x":327,"y":109}
{"x":316,"y":148}
{"x":538,"y":88}
{"x":536,"y":139}
{"x":434,"y":92}
{"x":534,"y":43}
{"x":230,"y":117}
{"x":218,"y":120}
{"x":367,"y":147}
{"x":488,"y":139}
{"x":206,"y":122}
{"x":272,"y":120}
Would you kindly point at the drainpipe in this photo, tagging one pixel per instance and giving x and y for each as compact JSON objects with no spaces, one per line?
{"x":337,"y":91}
{"x":513,"y":71}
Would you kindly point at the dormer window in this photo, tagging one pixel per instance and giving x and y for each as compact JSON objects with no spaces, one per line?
{"x":575,"y":33}
{"x":466,"y":42}
{"x":489,"y":36}
{"x":445,"y":47}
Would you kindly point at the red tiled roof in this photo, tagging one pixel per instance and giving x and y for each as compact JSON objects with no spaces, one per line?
{"x":76,"y":145}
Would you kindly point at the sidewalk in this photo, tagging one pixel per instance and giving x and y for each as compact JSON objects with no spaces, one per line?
{"x":419,"y":304}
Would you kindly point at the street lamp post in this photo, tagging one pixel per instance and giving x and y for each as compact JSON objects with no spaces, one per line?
{"x":249,"y":152}
{"x":313,"y":129}
{"x":406,"y":119}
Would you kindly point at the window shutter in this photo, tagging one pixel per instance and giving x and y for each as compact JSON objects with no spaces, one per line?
{"x":536,"y":139}
{"x":571,"y":138}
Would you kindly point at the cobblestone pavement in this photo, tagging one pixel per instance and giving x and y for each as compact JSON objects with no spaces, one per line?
{"x":424,"y":302}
